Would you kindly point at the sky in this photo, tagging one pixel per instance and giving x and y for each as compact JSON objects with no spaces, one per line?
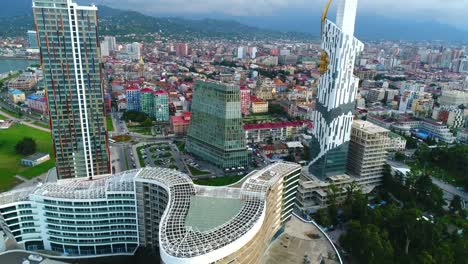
{"x":451,"y":12}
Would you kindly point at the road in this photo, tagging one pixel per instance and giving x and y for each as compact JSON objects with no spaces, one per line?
{"x":450,"y":190}
{"x":29,"y":124}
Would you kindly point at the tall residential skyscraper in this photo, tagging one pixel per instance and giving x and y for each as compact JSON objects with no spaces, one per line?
{"x":333,"y":116}
{"x":216,"y":133}
{"x":69,"y":45}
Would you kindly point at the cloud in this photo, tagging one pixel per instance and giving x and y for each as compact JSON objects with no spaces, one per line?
{"x":445,"y":11}
{"x":230,"y":7}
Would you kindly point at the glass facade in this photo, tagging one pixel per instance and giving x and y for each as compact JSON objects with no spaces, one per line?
{"x":216,"y":133}
{"x":69,"y":48}
{"x":147,"y":102}
{"x":161,"y":106}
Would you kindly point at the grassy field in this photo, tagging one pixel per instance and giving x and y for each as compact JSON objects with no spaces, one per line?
{"x":14,"y":114}
{"x":219,"y":181}
{"x":37,"y":123}
{"x":180,"y":145}
{"x":262,"y":118}
{"x":197,"y":172}
{"x":10,"y":162}
{"x":110,"y":124}
{"x":140,"y":130}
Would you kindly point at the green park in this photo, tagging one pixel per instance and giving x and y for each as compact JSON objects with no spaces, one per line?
{"x":10,"y":161}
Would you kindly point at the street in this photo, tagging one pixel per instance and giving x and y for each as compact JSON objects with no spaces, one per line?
{"x":450,"y":191}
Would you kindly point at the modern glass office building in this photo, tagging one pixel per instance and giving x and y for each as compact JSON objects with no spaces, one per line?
{"x":333,"y":116}
{"x":147,"y":101}
{"x":69,"y":48}
{"x":215,"y":133}
{"x":153,"y":208}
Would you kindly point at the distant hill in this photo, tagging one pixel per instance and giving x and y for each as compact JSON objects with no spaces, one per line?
{"x":123,"y":23}
{"x":12,"y":8}
{"x":16,"y":18}
{"x":368,"y":27}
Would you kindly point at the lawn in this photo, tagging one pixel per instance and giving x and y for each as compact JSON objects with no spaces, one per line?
{"x":10,"y":162}
{"x":261,"y":118}
{"x":180,"y":145}
{"x":140,"y":130}
{"x":37,"y":123}
{"x":110,"y":124}
{"x":228,"y":180}
{"x":196,"y":172}
{"x":14,"y":114}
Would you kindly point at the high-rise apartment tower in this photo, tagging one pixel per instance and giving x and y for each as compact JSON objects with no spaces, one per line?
{"x":69,"y":46}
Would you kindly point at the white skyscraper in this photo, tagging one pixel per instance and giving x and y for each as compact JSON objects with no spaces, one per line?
{"x":241,"y":52}
{"x":253,"y":53}
{"x":333,"y":116}
{"x":112,"y":45}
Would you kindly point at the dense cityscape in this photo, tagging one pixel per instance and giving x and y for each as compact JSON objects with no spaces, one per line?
{"x":144,"y":144}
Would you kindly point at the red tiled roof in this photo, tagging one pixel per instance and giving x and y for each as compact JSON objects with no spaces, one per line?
{"x":160,"y":92}
{"x":255,"y":99}
{"x":277,"y":125}
{"x":179,"y":120}
{"x":146,"y":90}
{"x":132,"y":88}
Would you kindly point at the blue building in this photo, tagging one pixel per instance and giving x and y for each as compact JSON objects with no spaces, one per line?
{"x":132,"y":94}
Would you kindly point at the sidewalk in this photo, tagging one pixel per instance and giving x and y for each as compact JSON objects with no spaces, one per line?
{"x":24,"y":123}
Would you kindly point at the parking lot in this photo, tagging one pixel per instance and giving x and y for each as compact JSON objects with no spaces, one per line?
{"x":163,"y":154}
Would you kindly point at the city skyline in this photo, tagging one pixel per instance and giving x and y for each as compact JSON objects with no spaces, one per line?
{"x":451,"y":13}
{"x":179,"y":141}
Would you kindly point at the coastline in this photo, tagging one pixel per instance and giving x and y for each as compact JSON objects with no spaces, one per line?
{"x":29,"y":58}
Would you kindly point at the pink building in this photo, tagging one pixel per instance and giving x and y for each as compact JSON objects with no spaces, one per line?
{"x":180,"y":124}
{"x":37,"y":104}
{"x":181,"y":49}
{"x":245,"y":100}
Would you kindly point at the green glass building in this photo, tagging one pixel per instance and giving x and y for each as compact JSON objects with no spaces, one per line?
{"x":147,"y":101}
{"x":69,"y":47}
{"x":215,"y":133}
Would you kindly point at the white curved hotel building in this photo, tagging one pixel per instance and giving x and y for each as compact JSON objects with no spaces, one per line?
{"x":155,"y":208}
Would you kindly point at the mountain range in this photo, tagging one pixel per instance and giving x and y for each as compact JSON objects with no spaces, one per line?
{"x":15,"y":18}
{"x":134,"y":26}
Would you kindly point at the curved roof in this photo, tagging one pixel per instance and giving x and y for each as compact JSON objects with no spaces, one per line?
{"x":181,"y":234}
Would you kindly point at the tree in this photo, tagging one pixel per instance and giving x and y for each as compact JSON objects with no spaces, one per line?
{"x":399,"y":156}
{"x":134,"y":116}
{"x":276,"y":109}
{"x":456,"y":204}
{"x":147,"y":122}
{"x":323,"y":218}
{"x":368,"y":244}
{"x":27,"y":146}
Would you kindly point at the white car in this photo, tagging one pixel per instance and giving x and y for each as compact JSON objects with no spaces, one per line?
{"x":35,"y":258}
